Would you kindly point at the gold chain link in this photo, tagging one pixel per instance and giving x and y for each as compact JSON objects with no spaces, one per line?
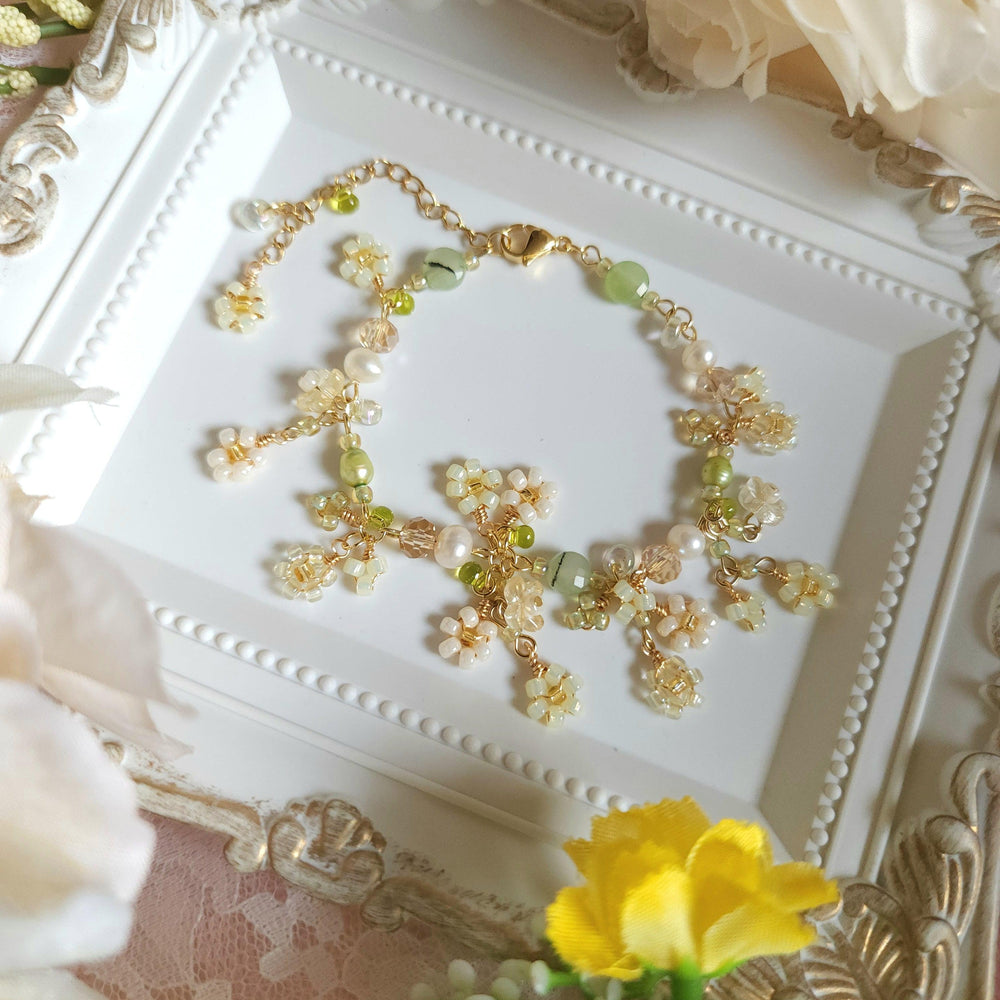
{"x":297,"y":215}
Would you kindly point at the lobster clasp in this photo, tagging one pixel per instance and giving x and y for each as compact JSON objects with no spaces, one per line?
{"x":525,"y":244}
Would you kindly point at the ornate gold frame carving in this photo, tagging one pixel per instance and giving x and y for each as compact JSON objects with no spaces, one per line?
{"x":28,"y":193}
{"x":327,"y":848}
{"x":902,"y":939}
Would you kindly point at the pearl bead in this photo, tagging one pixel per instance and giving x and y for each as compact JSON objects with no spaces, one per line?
{"x":698,"y":356}
{"x":362,"y":365}
{"x":453,"y":546}
{"x":687,"y":540}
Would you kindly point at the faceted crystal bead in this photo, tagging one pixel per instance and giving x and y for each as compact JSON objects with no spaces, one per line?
{"x":626,"y":283}
{"x":568,"y":573}
{"x":661,"y":563}
{"x":416,"y":538}
{"x":249,"y":215}
{"x":366,"y":411}
{"x":378,"y":335}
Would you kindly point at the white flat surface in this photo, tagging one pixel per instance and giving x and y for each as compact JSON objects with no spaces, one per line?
{"x":860,"y":330}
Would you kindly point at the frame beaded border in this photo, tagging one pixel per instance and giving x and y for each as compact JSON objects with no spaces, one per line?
{"x":385,"y":708}
{"x":639,"y":186}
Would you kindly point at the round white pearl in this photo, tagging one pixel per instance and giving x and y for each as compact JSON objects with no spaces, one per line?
{"x":698,"y":356}
{"x":687,"y":540}
{"x":362,"y":365}
{"x":453,"y":546}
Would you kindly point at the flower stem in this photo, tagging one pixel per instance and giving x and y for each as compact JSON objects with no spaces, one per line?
{"x":57,"y":29}
{"x":50,"y":76}
{"x":685,"y":985}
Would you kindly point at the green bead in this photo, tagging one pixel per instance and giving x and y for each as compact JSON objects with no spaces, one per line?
{"x":719,"y":548}
{"x":471,"y":573}
{"x":588,"y":600}
{"x":574,"y":619}
{"x":728,"y":507}
{"x":356,"y":467}
{"x":568,"y":573}
{"x":626,"y":283}
{"x":444,"y":269}
{"x":399,"y":301}
{"x":343,"y":201}
{"x":380,"y":517}
{"x":523,"y":536}
{"x":601,"y":620}
{"x":717,"y":471}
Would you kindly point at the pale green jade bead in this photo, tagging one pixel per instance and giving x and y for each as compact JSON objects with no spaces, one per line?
{"x":568,"y":573}
{"x":356,"y":467}
{"x":626,"y":283}
{"x":444,"y":269}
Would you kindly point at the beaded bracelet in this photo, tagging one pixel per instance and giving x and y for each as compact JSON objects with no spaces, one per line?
{"x":488,"y":554}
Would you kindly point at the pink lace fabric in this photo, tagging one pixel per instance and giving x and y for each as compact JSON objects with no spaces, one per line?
{"x":205,"y":932}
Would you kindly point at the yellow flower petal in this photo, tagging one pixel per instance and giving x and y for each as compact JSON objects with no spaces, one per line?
{"x":739,"y":852}
{"x":672,"y":823}
{"x":798,"y":886}
{"x":655,"y":920}
{"x":574,"y":933}
{"x":755,"y":928}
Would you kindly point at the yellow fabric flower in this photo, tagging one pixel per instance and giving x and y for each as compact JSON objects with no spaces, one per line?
{"x":665,"y":889}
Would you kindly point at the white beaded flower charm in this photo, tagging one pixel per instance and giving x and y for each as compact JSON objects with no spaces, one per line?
{"x":320,"y":389}
{"x":473,"y":486}
{"x":552,"y":693}
{"x":366,"y":261}
{"x":747,"y":610}
{"x":240,"y":308}
{"x":365,"y":572}
{"x":304,"y":571}
{"x":238,"y":456}
{"x":762,"y":500}
{"x":687,"y":623}
{"x":808,"y":587}
{"x":529,"y":495}
{"x":671,"y":685}
{"x":468,"y":636}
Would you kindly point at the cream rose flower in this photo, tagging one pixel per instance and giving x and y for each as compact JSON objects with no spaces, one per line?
{"x":880,"y":52}
{"x":713,"y":43}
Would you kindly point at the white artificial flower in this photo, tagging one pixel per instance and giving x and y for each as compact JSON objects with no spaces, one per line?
{"x":891,"y":52}
{"x":96,"y":648}
{"x":714,"y":43}
{"x":73,"y":850}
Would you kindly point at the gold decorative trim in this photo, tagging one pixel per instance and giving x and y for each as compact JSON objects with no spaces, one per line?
{"x":327,"y":848}
{"x":28,"y":193}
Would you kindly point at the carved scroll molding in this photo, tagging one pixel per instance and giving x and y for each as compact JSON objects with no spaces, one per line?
{"x":952,"y":213}
{"x":327,"y":848}
{"x":929,"y":925}
{"x":28,"y":193}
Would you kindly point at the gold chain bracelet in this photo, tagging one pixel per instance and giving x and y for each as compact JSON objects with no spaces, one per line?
{"x":488,"y":554}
